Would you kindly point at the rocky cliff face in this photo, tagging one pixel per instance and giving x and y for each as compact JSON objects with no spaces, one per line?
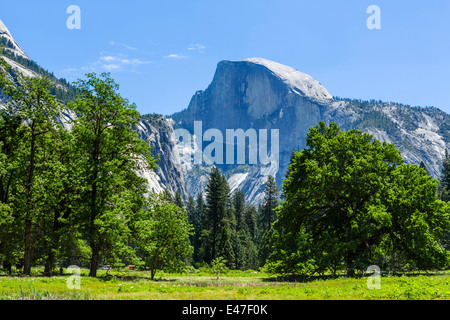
{"x":12,"y":46}
{"x":255,"y":94}
{"x":155,"y":129}
{"x":261,"y":94}
{"x":159,"y":133}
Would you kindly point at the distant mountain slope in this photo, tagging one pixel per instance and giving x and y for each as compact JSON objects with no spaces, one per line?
{"x":22,"y":65}
{"x":8,"y":41}
{"x":261,"y":94}
{"x":157,"y":130}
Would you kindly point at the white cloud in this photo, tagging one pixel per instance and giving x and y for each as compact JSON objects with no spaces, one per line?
{"x":176,"y":56}
{"x":123,"y":61}
{"x":196,"y":47}
{"x":123,"y":45}
{"x":109,"y":63}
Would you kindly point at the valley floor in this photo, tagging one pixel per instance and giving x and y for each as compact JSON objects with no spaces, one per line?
{"x":136,"y":285}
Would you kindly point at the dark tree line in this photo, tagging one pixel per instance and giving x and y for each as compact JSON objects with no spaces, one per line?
{"x":226,"y":226}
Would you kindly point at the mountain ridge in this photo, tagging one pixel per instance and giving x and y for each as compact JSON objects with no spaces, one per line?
{"x":257,"y":93}
{"x":4,"y":32}
{"x":243,"y":95}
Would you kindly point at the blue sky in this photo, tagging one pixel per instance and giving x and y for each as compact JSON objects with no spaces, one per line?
{"x":161,"y":52}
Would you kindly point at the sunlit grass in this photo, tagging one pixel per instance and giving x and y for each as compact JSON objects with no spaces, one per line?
{"x":136,"y":285}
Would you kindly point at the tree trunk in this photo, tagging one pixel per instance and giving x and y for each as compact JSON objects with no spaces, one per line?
{"x":350,"y":266}
{"x":28,"y":249}
{"x":94,"y":262}
{"x":213,"y":253}
{"x":28,"y":222}
{"x":49,"y":264}
{"x":350,"y":272}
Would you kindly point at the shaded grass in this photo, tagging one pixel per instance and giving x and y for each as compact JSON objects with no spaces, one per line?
{"x":234,"y":286}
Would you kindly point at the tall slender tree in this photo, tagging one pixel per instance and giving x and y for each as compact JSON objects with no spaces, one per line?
{"x":216,"y":211}
{"x":271,"y":201}
{"x":239,"y":208}
{"x":179,"y":200}
{"x":444,"y":187}
{"x":32,"y":104}
{"x":110,"y":153}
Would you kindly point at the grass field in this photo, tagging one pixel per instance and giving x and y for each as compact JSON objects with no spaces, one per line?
{"x":236,"y":285}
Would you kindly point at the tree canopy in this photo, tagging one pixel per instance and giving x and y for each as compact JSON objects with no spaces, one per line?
{"x":350,"y":201}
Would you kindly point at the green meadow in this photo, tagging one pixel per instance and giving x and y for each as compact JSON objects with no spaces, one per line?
{"x":235,"y":285}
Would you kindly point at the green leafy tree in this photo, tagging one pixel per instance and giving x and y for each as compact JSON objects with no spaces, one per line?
{"x":30,"y":104}
{"x":60,"y":193}
{"x":162,"y":235}
{"x":350,"y":202}
{"x":218,"y":265}
{"x":10,"y":234}
{"x":110,"y":153}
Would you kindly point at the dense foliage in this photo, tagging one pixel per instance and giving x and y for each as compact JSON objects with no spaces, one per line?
{"x":75,"y":197}
{"x":351,"y":202}
{"x":227,"y":227}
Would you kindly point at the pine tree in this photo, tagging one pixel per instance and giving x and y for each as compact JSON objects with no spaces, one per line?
{"x":267,"y":217}
{"x":215,"y":209}
{"x":250,"y":220}
{"x":197,"y":220}
{"x":168,"y":196}
{"x":239,"y":208}
{"x":191,"y":210}
{"x":423,"y":166}
{"x":219,"y":221}
{"x":179,"y":200}
{"x":444,"y":187}
{"x":271,"y":201}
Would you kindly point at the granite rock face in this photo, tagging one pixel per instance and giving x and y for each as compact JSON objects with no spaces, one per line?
{"x":260,"y":94}
{"x":159,"y":133}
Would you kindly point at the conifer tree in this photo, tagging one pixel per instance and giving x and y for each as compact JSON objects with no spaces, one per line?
{"x":196,"y":219}
{"x":168,"y":196}
{"x":179,"y":200}
{"x":423,"y":166}
{"x":239,"y":208}
{"x":217,"y":201}
{"x":271,"y":201}
{"x":444,"y":187}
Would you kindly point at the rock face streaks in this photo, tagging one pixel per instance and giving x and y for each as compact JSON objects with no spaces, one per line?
{"x":264,"y":95}
{"x":261,"y":94}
